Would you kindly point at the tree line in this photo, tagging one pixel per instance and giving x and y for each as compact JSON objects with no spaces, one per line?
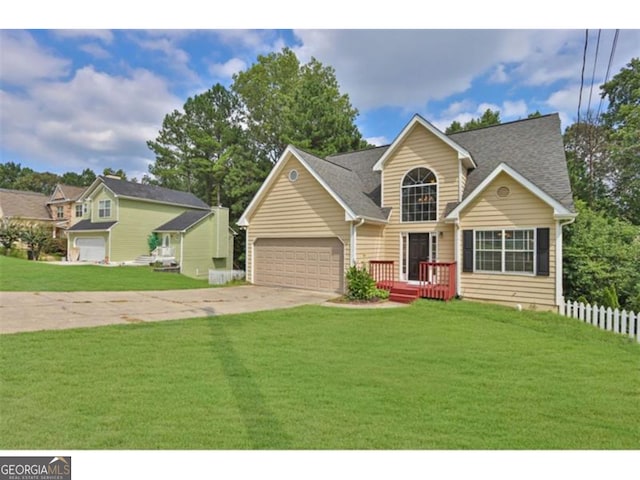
{"x":16,"y":177}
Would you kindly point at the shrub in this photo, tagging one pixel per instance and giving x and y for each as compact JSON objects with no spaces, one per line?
{"x":56,"y":246}
{"x":360,"y":285}
{"x":36,"y":237}
{"x":153,"y":240}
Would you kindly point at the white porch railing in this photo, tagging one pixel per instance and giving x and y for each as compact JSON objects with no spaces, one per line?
{"x":161,"y":252}
{"x":613,"y":320}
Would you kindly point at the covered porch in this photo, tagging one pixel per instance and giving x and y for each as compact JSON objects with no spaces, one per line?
{"x":436,"y":280}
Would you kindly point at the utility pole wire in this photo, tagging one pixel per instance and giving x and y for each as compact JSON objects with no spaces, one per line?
{"x":606,"y":77}
{"x":593,"y":73}
{"x":584,"y":61}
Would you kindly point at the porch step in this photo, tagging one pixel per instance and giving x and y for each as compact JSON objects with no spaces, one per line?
{"x":402,"y":297}
{"x":143,"y":260}
{"x":403,"y":293}
{"x":406,"y":290}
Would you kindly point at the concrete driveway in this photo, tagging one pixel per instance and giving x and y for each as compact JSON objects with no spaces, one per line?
{"x":31,"y":311}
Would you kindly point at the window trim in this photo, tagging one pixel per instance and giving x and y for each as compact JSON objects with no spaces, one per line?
{"x":402,"y":187}
{"x":59,"y":212}
{"x":80,"y":207}
{"x":503,"y":251}
{"x":104,"y":211}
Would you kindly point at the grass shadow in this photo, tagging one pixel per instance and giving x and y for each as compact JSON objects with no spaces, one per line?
{"x":263,"y":428}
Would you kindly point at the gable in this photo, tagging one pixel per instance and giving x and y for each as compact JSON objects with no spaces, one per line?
{"x":57,"y":194}
{"x":505,"y":202}
{"x":421,"y":148}
{"x":418,"y":122}
{"x":303,"y":201}
{"x":558,"y":210}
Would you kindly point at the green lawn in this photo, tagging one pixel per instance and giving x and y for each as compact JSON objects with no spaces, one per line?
{"x":431,"y":376}
{"x":17,"y":275}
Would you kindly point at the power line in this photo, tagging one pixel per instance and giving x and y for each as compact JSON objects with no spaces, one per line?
{"x":606,"y":77}
{"x":584,"y":61}
{"x":593,"y":73}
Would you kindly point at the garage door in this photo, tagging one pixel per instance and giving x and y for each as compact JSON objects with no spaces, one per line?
{"x":310,"y":263}
{"x":91,"y":249}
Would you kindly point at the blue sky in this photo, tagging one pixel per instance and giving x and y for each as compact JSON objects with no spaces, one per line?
{"x":74,"y":99}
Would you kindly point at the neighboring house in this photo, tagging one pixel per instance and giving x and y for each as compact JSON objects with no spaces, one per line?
{"x":25,"y":207}
{"x":64,"y":207}
{"x":121,"y":215}
{"x":489,"y":202}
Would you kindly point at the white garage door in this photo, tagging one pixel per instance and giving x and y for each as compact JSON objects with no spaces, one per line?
{"x":91,"y":249}
{"x":309,"y":263}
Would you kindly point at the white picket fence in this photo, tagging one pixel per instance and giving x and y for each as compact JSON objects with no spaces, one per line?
{"x":220,"y":277}
{"x":613,"y":320}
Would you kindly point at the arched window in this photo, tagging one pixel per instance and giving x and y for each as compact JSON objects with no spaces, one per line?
{"x":419,"y":196}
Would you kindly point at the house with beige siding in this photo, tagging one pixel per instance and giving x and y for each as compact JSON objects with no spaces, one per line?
{"x":477,"y":214}
{"x":64,"y":207}
{"x":119,"y":216}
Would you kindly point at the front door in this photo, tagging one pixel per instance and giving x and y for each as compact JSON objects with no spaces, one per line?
{"x":418,"y":252}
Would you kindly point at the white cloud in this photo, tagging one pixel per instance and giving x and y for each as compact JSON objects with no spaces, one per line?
{"x":409,"y":68}
{"x":499,"y":75}
{"x":258,"y":41}
{"x":466,"y":110}
{"x":483,"y":107}
{"x":517,"y":109}
{"x":378,"y":141}
{"x":93,"y":120}
{"x":104,"y":35}
{"x":227,"y":69}
{"x":565,"y":101}
{"x":95,"y":50}
{"x":23,"y":61}
{"x":176,"y":58}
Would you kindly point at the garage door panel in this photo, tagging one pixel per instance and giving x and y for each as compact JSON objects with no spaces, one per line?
{"x":310,"y":263}
{"x":91,"y":249}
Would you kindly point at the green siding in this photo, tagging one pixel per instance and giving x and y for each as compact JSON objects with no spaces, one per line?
{"x":221,"y":234}
{"x":103,"y":193}
{"x":136,"y":220}
{"x":198,"y":248}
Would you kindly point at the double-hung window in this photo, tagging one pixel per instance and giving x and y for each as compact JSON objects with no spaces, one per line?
{"x":505,"y":251}
{"x":104,"y":208}
{"x":60,"y":213}
{"x":78,"y":211}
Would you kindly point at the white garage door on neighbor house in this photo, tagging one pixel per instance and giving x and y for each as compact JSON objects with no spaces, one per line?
{"x":91,"y":249}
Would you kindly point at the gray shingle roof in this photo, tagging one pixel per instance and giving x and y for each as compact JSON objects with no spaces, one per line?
{"x":23,"y":204}
{"x":86,"y":225}
{"x":346,"y":184}
{"x":153,"y":192}
{"x":183,"y":221}
{"x":533,"y":147}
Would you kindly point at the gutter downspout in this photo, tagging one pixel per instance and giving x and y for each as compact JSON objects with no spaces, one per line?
{"x":353,"y":241}
{"x":559,"y":292}
{"x":181,"y":250}
{"x":456,"y":254}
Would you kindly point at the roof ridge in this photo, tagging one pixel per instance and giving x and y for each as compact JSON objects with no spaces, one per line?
{"x":28,"y":192}
{"x":358,"y":151}
{"x":502,"y":124}
{"x":323,"y":159}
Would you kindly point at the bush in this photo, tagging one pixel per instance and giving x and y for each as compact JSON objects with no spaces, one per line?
{"x":154,"y":241}
{"x":360,"y":285}
{"x":56,"y":246}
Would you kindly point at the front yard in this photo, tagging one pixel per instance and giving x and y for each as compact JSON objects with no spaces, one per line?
{"x":458,"y":375}
{"x":17,"y":275}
